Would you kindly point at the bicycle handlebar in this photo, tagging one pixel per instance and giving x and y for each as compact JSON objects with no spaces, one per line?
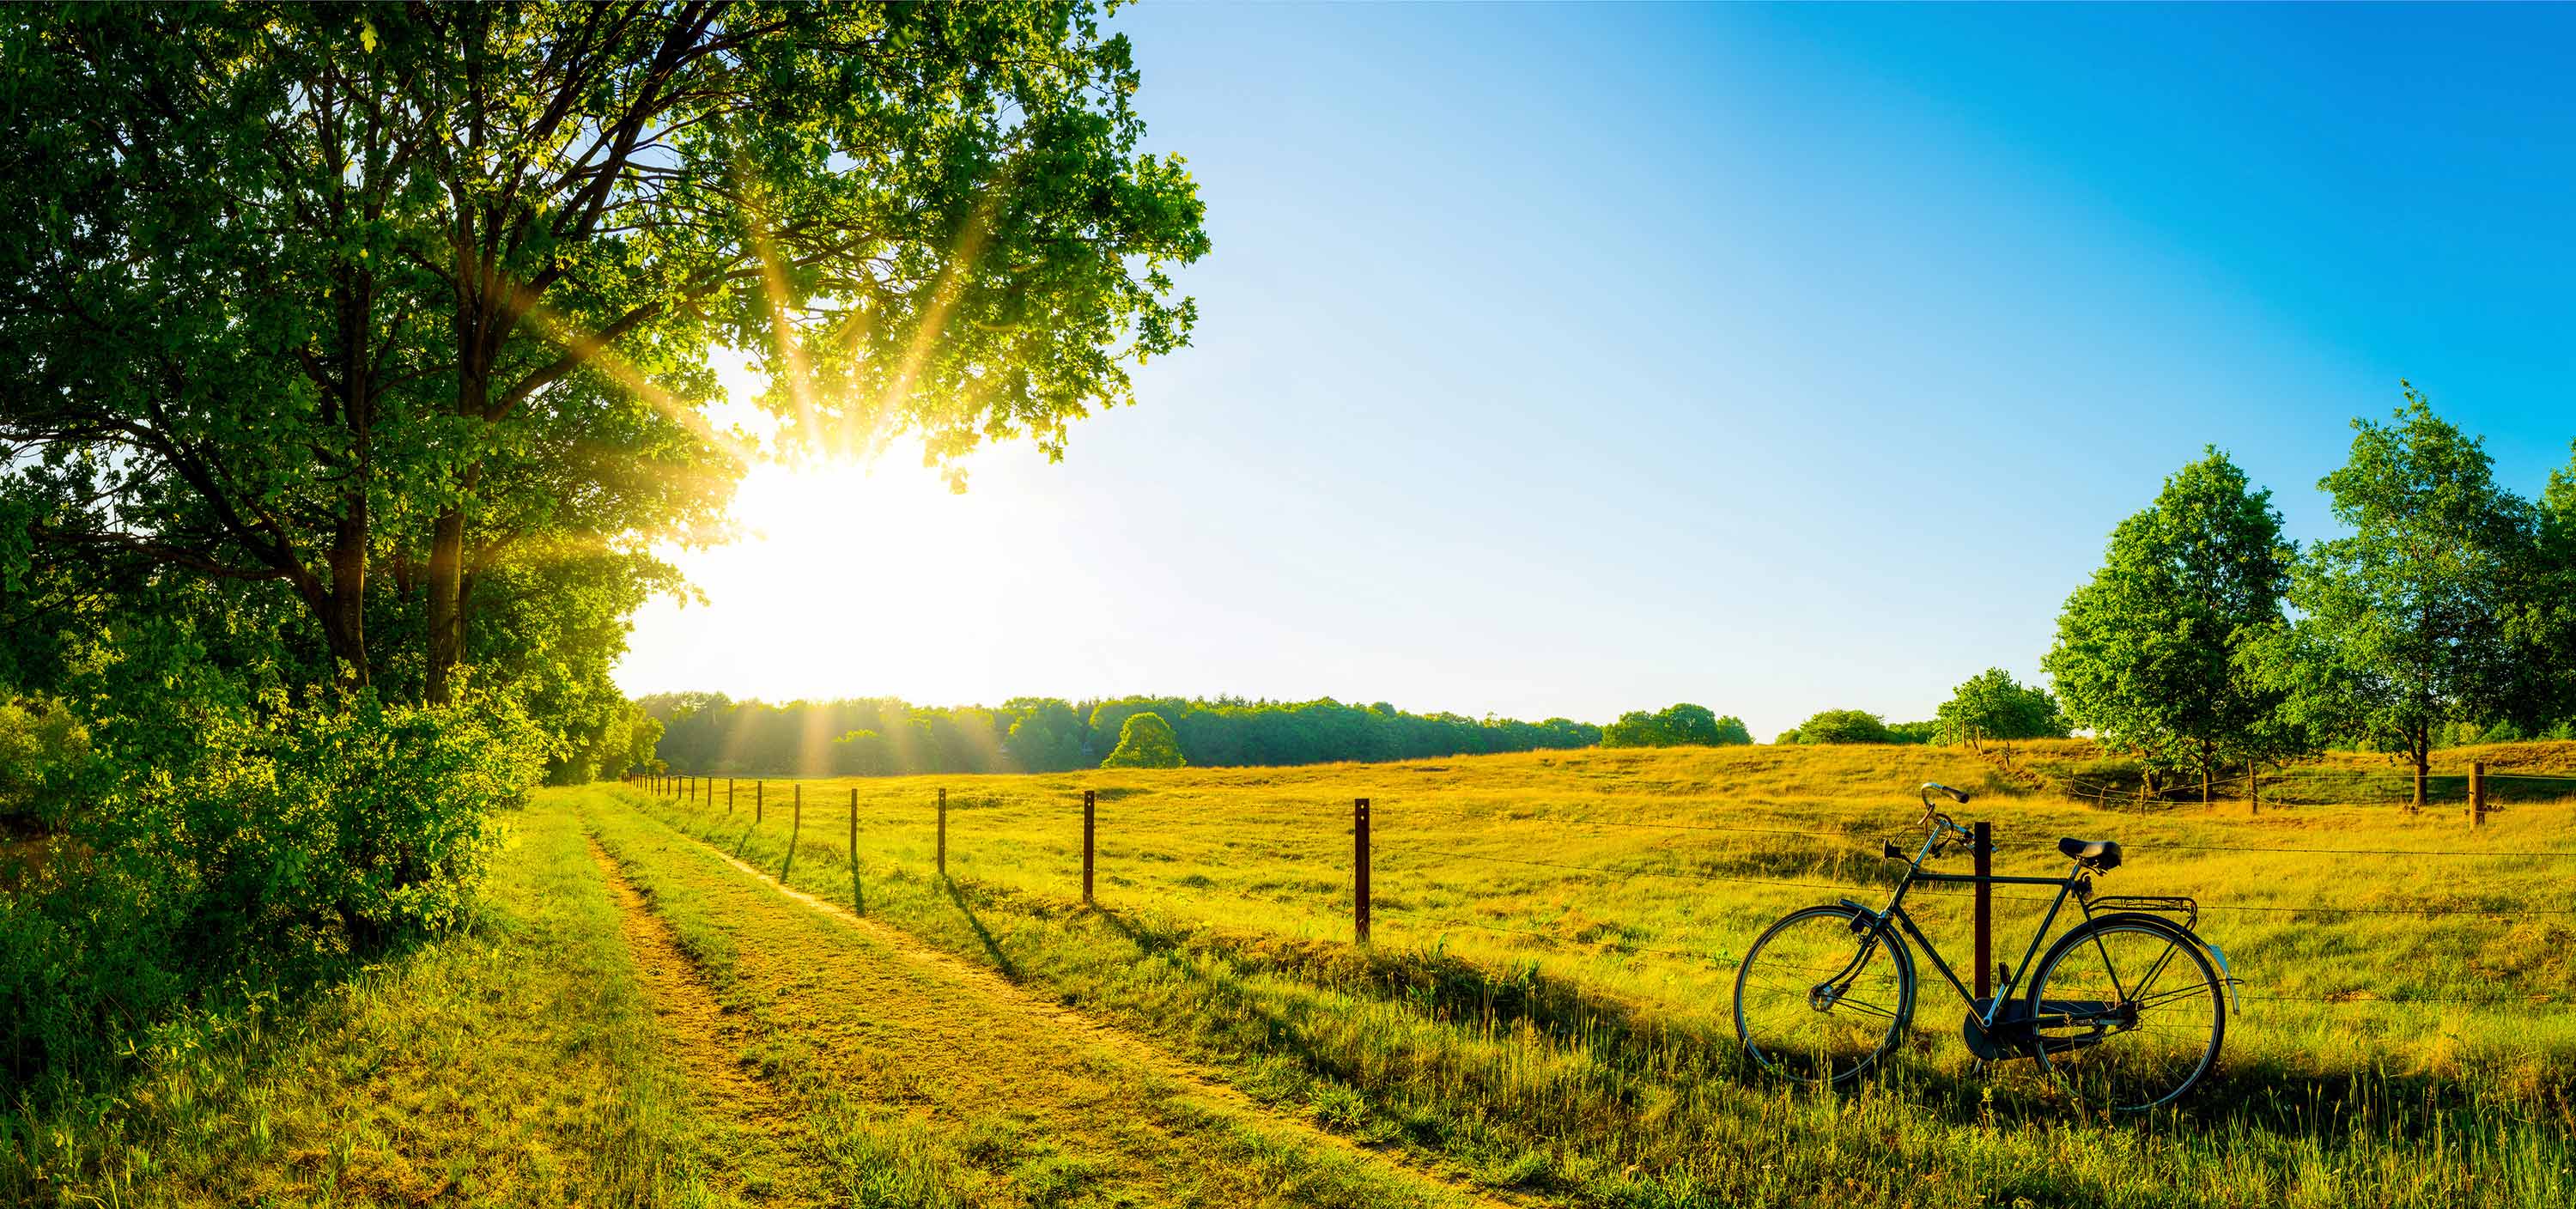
{"x":1944,"y":824}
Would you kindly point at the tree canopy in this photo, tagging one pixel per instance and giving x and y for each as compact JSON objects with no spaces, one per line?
{"x":310,"y":295}
{"x":2151,"y":653}
{"x":1841,"y":726}
{"x":2406,"y":624}
{"x":710,"y":733}
{"x":1679,"y":725}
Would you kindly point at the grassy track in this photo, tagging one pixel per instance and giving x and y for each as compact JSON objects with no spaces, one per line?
{"x":1590,"y":1062}
{"x":924,"y":1081}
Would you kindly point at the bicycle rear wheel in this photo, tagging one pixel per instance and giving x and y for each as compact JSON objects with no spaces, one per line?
{"x":1823,"y":995}
{"x":2129,"y":1012}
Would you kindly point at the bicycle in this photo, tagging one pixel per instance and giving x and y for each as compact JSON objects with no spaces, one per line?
{"x":1828,"y":991}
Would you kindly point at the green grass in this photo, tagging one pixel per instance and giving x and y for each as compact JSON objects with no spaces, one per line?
{"x":922,"y":1083}
{"x":1583,"y":1051}
{"x":632,"y":1020}
{"x":510,"y":1063}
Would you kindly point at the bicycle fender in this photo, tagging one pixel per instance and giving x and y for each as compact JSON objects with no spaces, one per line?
{"x":2226,"y":977}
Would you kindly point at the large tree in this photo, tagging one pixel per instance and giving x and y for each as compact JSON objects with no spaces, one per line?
{"x":308,"y":292}
{"x":2149,"y":653}
{"x":2544,"y":618}
{"x":2405,"y":624}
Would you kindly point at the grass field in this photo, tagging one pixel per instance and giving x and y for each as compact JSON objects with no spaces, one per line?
{"x":1545,"y":1026}
{"x":643,"y":1015}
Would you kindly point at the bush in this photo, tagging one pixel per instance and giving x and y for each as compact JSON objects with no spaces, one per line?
{"x":295,"y":835}
{"x":42,"y":752}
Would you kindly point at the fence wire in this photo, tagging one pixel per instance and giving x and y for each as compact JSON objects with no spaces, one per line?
{"x":1622,"y":946}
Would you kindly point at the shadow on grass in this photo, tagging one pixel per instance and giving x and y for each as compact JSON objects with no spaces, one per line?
{"x":993,"y":948}
{"x":1640,"y":1046}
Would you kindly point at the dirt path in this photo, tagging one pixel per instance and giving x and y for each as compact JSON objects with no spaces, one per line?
{"x":1196,"y":1080}
{"x":708,"y":1041}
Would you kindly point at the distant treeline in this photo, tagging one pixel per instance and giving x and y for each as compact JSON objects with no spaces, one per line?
{"x":873,"y":736}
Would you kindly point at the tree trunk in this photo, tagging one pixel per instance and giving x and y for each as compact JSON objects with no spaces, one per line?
{"x":2423,"y":762}
{"x":447,"y":535}
{"x":344,"y":610}
{"x":446,"y":566}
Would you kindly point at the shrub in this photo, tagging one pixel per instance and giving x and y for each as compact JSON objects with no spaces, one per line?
{"x":293,"y":835}
{"x":42,"y":751}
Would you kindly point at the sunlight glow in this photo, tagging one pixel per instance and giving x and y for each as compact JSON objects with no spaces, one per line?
{"x":850,"y":580}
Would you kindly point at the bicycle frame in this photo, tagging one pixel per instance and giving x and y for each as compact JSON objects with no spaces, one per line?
{"x":2076,"y":883}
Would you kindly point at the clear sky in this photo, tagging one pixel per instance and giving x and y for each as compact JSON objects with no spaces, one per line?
{"x":1570,"y":360}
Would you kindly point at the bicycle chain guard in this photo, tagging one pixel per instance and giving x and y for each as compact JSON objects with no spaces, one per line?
{"x":2013,"y":1035}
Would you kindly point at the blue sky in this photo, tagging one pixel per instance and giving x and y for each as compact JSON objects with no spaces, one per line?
{"x":1569,"y":360}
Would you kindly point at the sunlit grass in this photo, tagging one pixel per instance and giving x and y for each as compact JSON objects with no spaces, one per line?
{"x":1584,"y":1016}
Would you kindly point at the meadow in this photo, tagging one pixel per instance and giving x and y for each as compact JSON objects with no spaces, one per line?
{"x":641,"y":1013}
{"x":1545,"y":1005}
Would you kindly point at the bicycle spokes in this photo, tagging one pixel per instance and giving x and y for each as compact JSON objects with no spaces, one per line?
{"x":1818,"y":1001}
{"x":2129,"y":1014}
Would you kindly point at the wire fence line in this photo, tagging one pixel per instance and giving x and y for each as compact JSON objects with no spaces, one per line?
{"x":1622,"y":945}
{"x":1604,"y":871}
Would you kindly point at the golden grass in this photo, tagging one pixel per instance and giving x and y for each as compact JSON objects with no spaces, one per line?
{"x":1565,"y":1030}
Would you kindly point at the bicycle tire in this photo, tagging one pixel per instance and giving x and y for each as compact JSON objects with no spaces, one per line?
{"x":1837,"y":1039}
{"x":2162,"y":1057}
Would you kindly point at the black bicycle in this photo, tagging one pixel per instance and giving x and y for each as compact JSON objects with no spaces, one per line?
{"x":2128,"y":1008}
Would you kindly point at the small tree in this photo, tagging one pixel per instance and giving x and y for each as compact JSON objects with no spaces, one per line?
{"x":1146,"y":741}
{"x":2149,"y":653}
{"x":2405,"y":624}
{"x":1992,"y":705}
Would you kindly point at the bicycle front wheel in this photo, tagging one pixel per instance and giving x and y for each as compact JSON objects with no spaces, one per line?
{"x":2129,"y":1012}
{"x":1823,"y":995}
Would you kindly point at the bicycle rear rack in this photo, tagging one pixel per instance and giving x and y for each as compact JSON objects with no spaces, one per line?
{"x":2188,"y":909}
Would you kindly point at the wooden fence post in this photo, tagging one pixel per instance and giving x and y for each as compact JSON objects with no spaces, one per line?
{"x":943,"y":832}
{"x":795,"y":832}
{"x":728,"y":795}
{"x":759,"y":790}
{"x":1985,"y":911}
{"x":858,"y":901}
{"x":2253,"y":787}
{"x":1360,"y":869}
{"x":2477,"y":793}
{"x":1087,"y":796}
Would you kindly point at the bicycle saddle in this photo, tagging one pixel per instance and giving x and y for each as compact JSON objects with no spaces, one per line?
{"x":2100,"y":855}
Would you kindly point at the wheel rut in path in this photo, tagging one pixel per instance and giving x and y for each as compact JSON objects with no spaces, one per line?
{"x":706,"y":1040}
{"x":1077,"y":1027}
